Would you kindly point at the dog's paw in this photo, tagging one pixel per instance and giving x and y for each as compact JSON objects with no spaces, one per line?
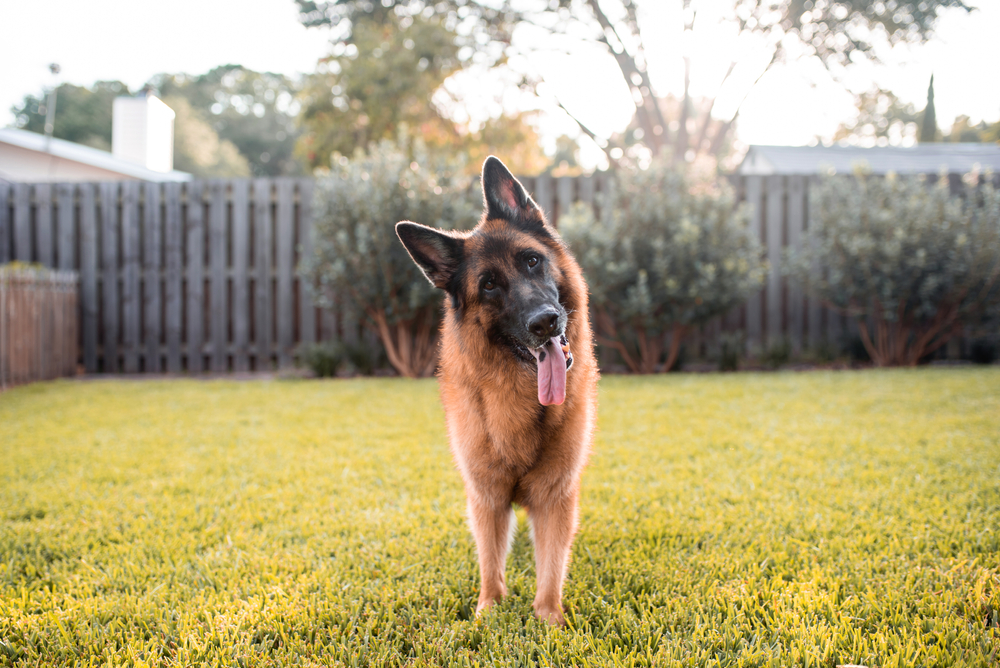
{"x":549,"y":613}
{"x":485,"y":603}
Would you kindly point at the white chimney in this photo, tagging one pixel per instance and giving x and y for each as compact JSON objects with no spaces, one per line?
{"x":142,"y":131}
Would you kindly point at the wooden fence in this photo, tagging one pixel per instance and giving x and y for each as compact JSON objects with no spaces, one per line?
{"x":38,"y":325}
{"x":201,"y":276}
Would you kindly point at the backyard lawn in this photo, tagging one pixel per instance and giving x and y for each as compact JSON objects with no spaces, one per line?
{"x":781,"y":519}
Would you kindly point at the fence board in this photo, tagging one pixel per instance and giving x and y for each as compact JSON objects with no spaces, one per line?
{"x":813,"y":308}
{"x":775,"y":241}
{"x":6,"y":233}
{"x":109,"y":275}
{"x":88,"y":276}
{"x":152,"y":235}
{"x":262,"y":273}
{"x":131,"y":286}
{"x":66,"y":232}
{"x":754,"y":306}
{"x":195,"y":232}
{"x":285,"y":229}
{"x":44,"y":251}
{"x":564,"y":199}
{"x":217,"y":254}
{"x":173,"y":260}
{"x":241,"y":280}
{"x":796,"y":219}
{"x":307,"y":308}
{"x":22,"y":222}
{"x":545,"y":195}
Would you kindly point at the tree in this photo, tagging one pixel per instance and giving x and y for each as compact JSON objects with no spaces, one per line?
{"x":83,"y":115}
{"x":358,"y":256}
{"x":911,"y":263}
{"x":197,"y":147}
{"x":882,"y":120}
{"x":389,"y":75}
{"x":255,"y":111}
{"x":928,"y":125}
{"x":669,"y":256}
{"x":836,"y":32}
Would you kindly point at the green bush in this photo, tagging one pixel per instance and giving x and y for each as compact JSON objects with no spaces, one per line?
{"x":323,"y":359}
{"x":358,"y":257}
{"x":912,"y":263}
{"x":669,"y":256}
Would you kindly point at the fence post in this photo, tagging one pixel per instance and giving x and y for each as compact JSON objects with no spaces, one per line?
{"x":22,"y":222}
{"x":109,"y":271}
{"x":307,"y":308}
{"x":775,"y":219}
{"x":796,"y":220}
{"x":241,"y":279}
{"x":195,"y":230}
{"x":262,"y":272}
{"x":152,"y":235}
{"x":131,"y":295}
{"x":173,"y":258}
{"x":5,"y":224}
{"x":754,"y":307}
{"x":284,"y":312}
{"x":217,"y":255}
{"x":66,"y":233}
{"x":44,"y":254}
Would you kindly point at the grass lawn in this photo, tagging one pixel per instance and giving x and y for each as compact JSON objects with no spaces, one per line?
{"x":736,"y":520}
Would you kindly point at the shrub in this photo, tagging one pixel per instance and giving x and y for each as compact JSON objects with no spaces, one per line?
{"x":668,"y":257}
{"x":358,"y":257}
{"x":323,"y":359}
{"x":910,"y":262}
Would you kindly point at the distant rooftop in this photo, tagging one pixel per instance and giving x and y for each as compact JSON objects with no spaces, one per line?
{"x":922,"y":159}
{"x":33,"y":144}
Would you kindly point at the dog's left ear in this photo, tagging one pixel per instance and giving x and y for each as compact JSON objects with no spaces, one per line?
{"x":504,"y":195}
{"x":437,"y":253}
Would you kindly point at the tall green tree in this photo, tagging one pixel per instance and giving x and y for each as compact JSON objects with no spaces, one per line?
{"x":255,"y":111}
{"x":928,"y":124}
{"x":384,"y":78}
{"x":835,"y":32}
{"x":83,"y":115}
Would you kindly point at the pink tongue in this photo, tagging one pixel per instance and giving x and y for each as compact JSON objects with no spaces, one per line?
{"x":551,"y":373}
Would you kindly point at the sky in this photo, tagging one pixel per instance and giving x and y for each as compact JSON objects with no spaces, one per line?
{"x":132,"y":40}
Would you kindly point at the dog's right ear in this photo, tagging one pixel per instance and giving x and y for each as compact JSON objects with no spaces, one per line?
{"x":437,"y":253}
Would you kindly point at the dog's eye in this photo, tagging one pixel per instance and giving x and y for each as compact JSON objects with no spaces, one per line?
{"x":489,"y":284}
{"x":533,"y":260}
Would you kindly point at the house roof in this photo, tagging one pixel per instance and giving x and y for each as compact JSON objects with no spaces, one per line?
{"x":922,"y":159}
{"x":67,"y":150}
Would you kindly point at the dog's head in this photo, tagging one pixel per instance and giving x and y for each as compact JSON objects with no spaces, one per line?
{"x":504,"y":276}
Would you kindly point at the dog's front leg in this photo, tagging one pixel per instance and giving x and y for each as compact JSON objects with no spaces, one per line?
{"x":493,"y":522}
{"x":553,"y":522}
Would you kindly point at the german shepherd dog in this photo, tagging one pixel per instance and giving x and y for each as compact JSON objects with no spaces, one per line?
{"x":520,"y":419}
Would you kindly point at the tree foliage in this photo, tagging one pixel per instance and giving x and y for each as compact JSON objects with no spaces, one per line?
{"x":387,"y":76}
{"x":358,"y":256}
{"x":255,"y":111}
{"x":668,"y":256}
{"x":198,"y":149}
{"x":912,"y":263}
{"x":83,"y":115}
{"x":836,"y":32}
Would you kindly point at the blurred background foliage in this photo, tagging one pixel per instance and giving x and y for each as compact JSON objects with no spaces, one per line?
{"x":669,"y":255}
{"x":914,"y":264}
{"x":357,"y":257}
{"x":395,"y":63}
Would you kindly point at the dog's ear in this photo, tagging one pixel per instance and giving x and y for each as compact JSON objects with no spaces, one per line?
{"x":504,"y":195}
{"x":437,"y":253}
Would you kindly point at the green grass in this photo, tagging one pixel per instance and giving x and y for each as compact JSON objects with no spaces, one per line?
{"x":751,"y":519}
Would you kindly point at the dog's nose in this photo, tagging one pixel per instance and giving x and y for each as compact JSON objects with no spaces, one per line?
{"x":544,"y":324}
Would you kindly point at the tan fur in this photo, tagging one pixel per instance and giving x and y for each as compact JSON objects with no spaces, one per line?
{"x":508,"y":447}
